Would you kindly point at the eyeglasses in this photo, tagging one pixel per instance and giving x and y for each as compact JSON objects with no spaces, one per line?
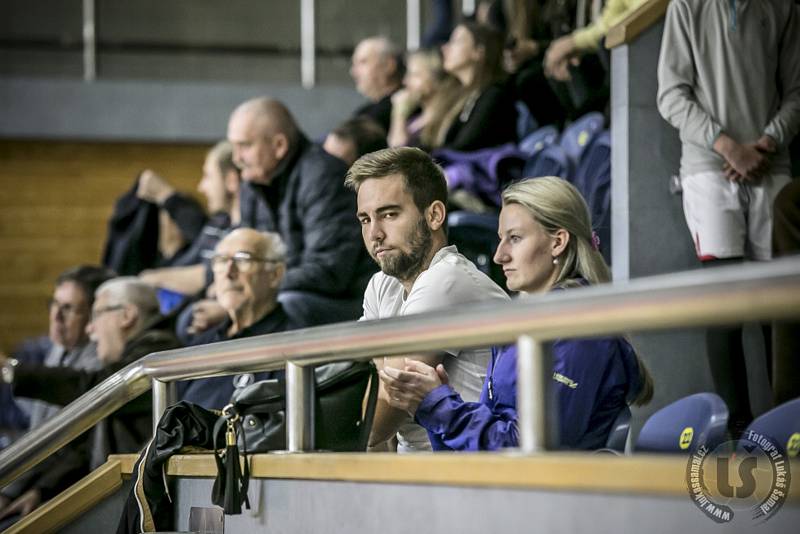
{"x":244,"y":262}
{"x":97,"y":312}
{"x":65,"y":310}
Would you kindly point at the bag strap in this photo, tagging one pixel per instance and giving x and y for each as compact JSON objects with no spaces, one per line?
{"x":369,"y":412}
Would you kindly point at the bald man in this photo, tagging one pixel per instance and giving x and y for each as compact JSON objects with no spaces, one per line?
{"x":295,"y":189}
{"x":377,"y":70}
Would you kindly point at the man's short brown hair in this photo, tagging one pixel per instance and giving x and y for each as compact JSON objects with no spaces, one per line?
{"x":424,"y":179}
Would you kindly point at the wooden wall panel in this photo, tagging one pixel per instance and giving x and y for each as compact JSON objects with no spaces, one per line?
{"x":55,"y":200}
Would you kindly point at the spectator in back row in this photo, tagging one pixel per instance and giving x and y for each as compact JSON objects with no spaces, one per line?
{"x":354,"y":138}
{"x":220,"y":185}
{"x":125,"y":325}
{"x":428,"y":92}
{"x":485,"y":114}
{"x":293,"y":188}
{"x":401,"y":206}
{"x":566,"y":51}
{"x":377,"y":69}
{"x":546,"y":244}
{"x":248,"y":268}
{"x":67,"y":347}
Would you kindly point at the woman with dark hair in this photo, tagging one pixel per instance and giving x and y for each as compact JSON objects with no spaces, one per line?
{"x":484,"y":115}
{"x":546,"y":244}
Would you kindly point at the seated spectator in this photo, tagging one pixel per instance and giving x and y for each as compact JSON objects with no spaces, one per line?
{"x":485,"y":115}
{"x":546,"y":244}
{"x":566,"y":51}
{"x":354,"y":138}
{"x":220,"y":185}
{"x":150,"y":226}
{"x":248,"y":267}
{"x":124,"y":326}
{"x":67,"y":346}
{"x":401,"y":207}
{"x":377,"y":69}
{"x":294,"y":188}
{"x":428,"y":91}
{"x":530,"y":26}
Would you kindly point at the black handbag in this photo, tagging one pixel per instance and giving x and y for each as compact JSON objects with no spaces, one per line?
{"x":338,"y":422}
{"x":255,"y":421}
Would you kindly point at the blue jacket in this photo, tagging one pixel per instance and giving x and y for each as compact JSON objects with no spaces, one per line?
{"x":594,"y":379}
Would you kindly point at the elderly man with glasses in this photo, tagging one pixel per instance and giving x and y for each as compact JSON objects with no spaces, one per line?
{"x":248,"y":268}
{"x":125,"y":324}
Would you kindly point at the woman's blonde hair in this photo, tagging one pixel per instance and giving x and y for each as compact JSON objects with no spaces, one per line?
{"x":556,"y":204}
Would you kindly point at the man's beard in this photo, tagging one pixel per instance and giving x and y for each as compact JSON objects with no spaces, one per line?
{"x":406,"y":266}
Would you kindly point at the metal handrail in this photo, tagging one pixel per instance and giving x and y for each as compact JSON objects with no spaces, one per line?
{"x":753,"y":292}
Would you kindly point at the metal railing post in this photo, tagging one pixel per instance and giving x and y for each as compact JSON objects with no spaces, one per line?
{"x":299,"y":407}
{"x":531,"y":395}
{"x":413,"y":24}
{"x":308,"y":50}
{"x":164,"y":394}
{"x":89,"y":42}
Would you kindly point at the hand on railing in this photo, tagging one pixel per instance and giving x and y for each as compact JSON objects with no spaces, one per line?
{"x":22,"y":505}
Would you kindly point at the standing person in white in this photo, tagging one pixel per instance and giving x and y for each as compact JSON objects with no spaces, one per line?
{"x":402,"y":195}
{"x":729,"y":81}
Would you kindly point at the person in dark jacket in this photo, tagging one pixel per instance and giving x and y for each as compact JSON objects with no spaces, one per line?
{"x":66,"y":346}
{"x":486,"y":115}
{"x":248,"y":267}
{"x":187,"y":273}
{"x":295,"y":189}
{"x":377,"y":70}
{"x":125,"y":325}
{"x":546,"y":243}
{"x":150,"y":226}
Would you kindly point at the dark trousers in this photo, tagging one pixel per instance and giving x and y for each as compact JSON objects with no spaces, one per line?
{"x":786,"y":340}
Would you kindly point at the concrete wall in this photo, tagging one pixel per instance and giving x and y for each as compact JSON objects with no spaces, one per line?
{"x":307,"y":506}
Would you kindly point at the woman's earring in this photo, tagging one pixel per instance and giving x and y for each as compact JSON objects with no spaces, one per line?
{"x":555,"y":260}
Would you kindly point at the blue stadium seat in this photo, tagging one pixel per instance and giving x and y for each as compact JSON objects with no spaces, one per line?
{"x":525,"y":121}
{"x":550,"y":161}
{"x":534,"y":142}
{"x":685,"y":425}
{"x":578,"y":135}
{"x":593,"y":180}
{"x":782,"y":425}
{"x":619,"y":431}
{"x":475,"y":236}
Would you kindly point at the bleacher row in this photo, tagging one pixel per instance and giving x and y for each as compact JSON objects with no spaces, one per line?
{"x":700,"y":420}
{"x":581,"y":154}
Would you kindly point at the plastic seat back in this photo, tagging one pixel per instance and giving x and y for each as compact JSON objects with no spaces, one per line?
{"x":578,"y":135}
{"x":781,"y":425}
{"x":536,"y":141}
{"x":525,"y":121}
{"x":550,"y":161}
{"x":619,"y":431}
{"x":593,"y":180}
{"x":475,"y":236}
{"x":685,"y":425}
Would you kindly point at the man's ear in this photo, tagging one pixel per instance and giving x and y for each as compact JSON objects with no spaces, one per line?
{"x":278,"y":273}
{"x":560,"y":242}
{"x":280,"y":145}
{"x":435,"y":215}
{"x":231,"y":180}
{"x":130,"y":315}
